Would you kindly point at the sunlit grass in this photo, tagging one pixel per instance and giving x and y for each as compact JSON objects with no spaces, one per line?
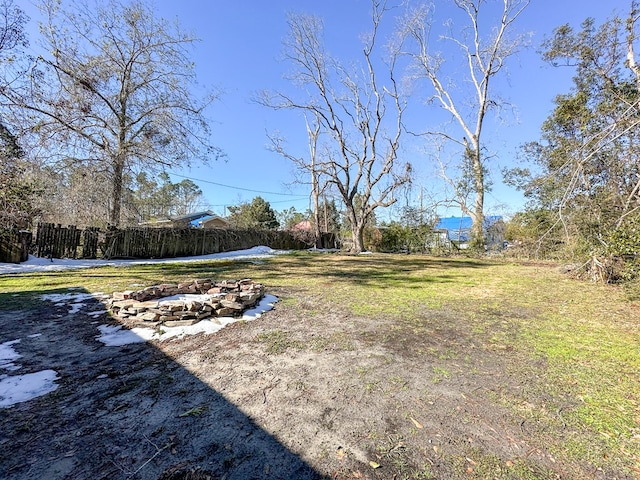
{"x":588,"y":336}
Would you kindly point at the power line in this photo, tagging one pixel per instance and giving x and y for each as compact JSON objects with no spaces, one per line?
{"x":237,"y":188}
{"x":231,"y":204}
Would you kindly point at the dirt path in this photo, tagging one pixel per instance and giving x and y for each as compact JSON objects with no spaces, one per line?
{"x":297,"y":394}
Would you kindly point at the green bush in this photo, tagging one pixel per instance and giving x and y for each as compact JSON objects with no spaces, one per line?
{"x":623,"y":244}
{"x":399,"y":238}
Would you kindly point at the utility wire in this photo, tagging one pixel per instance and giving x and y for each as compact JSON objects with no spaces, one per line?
{"x":231,"y":204}
{"x":237,"y":188}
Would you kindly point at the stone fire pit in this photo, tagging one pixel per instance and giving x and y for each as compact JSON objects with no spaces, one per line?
{"x":186,"y":303}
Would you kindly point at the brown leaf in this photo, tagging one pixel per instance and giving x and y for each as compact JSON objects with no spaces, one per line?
{"x":416,"y":423}
{"x":341,"y":453}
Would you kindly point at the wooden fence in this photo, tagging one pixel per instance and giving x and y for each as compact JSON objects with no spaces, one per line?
{"x":56,"y":241}
{"x":144,"y":242}
{"x":14,"y":245}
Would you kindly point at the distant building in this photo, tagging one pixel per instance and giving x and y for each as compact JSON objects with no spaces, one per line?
{"x":211,"y":221}
{"x":303,"y":226}
{"x":205,"y":219}
{"x":457,"y":231}
{"x":189,"y":219}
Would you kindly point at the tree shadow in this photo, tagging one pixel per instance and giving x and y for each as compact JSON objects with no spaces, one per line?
{"x":128,"y":412}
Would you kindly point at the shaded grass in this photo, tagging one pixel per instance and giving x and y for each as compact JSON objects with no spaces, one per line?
{"x":576,"y":344}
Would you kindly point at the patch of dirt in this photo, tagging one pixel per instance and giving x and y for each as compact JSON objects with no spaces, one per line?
{"x":296,"y":394}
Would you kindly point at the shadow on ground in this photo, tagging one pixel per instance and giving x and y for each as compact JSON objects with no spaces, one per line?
{"x":127,"y":412}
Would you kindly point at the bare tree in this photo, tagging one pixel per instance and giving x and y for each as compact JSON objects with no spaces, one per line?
{"x":313,"y":134}
{"x":632,"y":203}
{"x":17,"y":193}
{"x":12,"y":21}
{"x":114,"y":91}
{"x":355,"y":116}
{"x":485,"y":57}
{"x":632,"y":35}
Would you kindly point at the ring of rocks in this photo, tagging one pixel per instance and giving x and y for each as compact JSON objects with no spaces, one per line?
{"x":150,"y":306}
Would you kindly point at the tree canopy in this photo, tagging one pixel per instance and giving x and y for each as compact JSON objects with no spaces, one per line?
{"x":161,"y":198}
{"x":256,"y":214}
{"x":116,"y":92}
{"x":17,"y":193}
{"x":587,"y":165}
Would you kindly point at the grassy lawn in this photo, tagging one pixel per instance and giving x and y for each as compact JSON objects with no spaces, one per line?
{"x":566,"y":353}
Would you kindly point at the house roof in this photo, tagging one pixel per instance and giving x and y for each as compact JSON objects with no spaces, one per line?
{"x":459,"y":228}
{"x":303,"y":225}
{"x":198,"y":222}
{"x":191,"y":216}
{"x":192,"y":219}
{"x":454,"y":223}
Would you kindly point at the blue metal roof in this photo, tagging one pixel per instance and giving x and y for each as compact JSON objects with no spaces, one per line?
{"x":454,"y":223}
{"x":459,"y":228}
{"x":198,"y":221}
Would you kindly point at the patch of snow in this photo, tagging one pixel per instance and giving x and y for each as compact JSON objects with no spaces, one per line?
{"x":185,"y":297}
{"x":35,"y":264}
{"x":206,"y":326}
{"x":8,"y":355}
{"x":61,"y":299}
{"x":115,"y":336}
{"x":266,"y":304}
{"x":20,"y":388}
{"x":11,"y":367}
{"x":75,"y":308}
{"x":75,"y":301}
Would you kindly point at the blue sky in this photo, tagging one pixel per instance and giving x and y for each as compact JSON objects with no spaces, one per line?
{"x":240,"y":53}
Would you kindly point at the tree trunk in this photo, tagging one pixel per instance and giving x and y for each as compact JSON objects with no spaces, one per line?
{"x":116,"y":191}
{"x":477,"y":229}
{"x":357,"y":230}
{"x":313,"y":144}
{"x":357,"y":237}
{"x":316,"y":207}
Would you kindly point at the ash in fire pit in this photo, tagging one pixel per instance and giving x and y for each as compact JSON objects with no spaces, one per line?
{"x":186,"y":303}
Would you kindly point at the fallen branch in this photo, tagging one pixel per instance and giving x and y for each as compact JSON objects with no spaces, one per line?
{"x":158,"y":452}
